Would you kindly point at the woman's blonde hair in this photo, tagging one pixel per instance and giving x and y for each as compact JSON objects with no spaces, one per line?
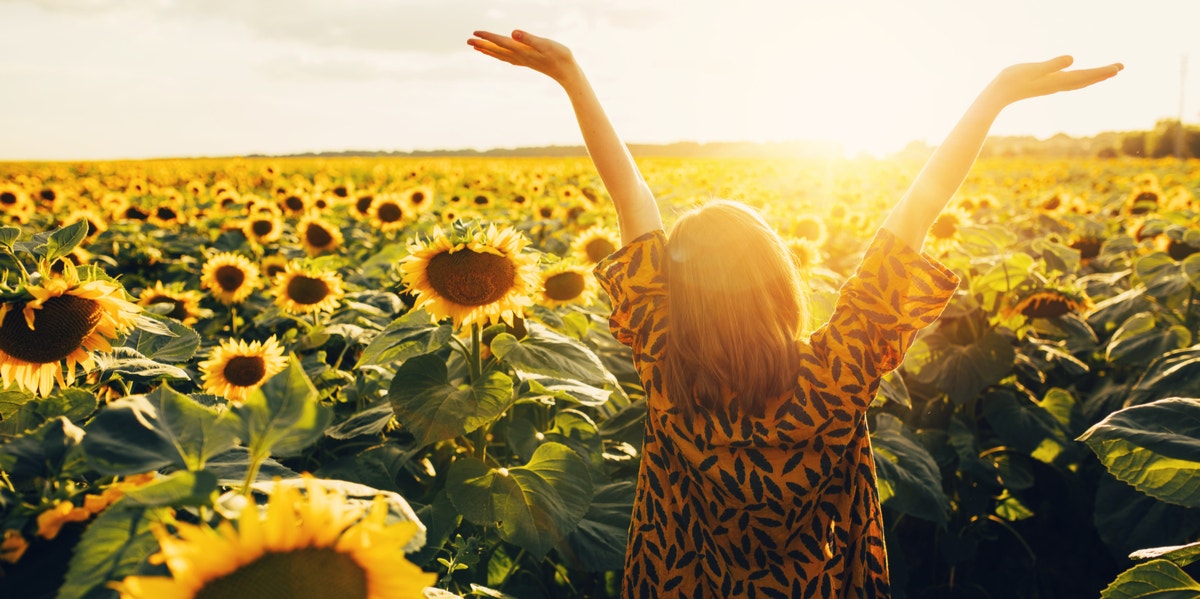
{"x":735,"y":310}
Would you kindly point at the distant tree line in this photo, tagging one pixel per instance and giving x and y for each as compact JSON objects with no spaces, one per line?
{"x":1159,"y":142}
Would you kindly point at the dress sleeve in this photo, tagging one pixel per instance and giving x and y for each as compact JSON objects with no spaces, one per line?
{"x":895,"y":292}
{"x":636,"y":285}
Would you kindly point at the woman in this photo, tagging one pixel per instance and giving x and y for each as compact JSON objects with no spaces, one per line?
{"x":757,"y":477}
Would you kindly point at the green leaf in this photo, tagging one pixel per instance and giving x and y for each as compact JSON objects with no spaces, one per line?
{"x":377,"y":467}
{"x":370,"y":421}
{"x":546,"y":352}
{"x":1158,"y":579}
{"x":442,"y":519}
{"x":433,"y":409}
{"x":409,"y":336}
{"x":1153,"y":447}
{"x":1058,"y":257}
{"x":598,"y":543}
{"x":1139,"y":340}
{"x":177,"y":490}
{"x":197,"y":432}
{"x":283,"y":417}
{"x":1127,"y":519}
{"x":1180,"y":555}
{"x":9,"y":236}
{"x":893,"y":389}
{"x":18,"y":412}
{"x":1023,"y":425}
{"x":963,"y":370}
{"x":22,"y":411}
{"x":909,"y":479}
{"x":1174,"y":374}
{"x":534,"y":506}
{"x":125,"y":438}
{"x":567,"y":390}
{"x":44,"y":452}
{"x":1191,"y":268}
{"x":112,"y":547}
{"x":177,"y":345}
{"x":230,"y":468}
{"x":1162,"y":275}
{"x":992,"y":238}
{"x":1005,"y":276}
{"x":129,"y":364}
{"x":63,"y":240}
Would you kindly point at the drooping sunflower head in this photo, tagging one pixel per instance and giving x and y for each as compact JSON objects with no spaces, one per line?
{"x":1088,"y":245}
{"x":318,"y":235}
{"x":565,"y":283}
{"x":311,"y":545}
{"x":299,"y":290}
{"x":64,"y":322}
{"x":185,"y":305}
{"x":1051,"y":303}
{"x":236,"y":368}
{"x":594,"y":244}
{"x":475,"y":276}
{"x":1144,"y":200}
{"x":273,"y":266}
{"x":231,"y":278}
{"x":389,"y":212}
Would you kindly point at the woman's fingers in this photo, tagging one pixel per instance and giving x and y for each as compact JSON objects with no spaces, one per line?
{"x":503,"y":41}
{"x":1084,"y":77}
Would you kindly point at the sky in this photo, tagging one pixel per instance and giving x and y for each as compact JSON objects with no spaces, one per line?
{"x":112,"y":79}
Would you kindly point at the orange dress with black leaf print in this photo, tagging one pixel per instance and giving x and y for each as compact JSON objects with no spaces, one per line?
{"x":784,"y":504}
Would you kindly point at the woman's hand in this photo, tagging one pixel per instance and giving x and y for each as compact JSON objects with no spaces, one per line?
{"x":1032,"y":79}
{"x":543,"y":55}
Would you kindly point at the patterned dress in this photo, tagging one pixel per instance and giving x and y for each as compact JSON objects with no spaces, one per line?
{"x":786,"y":504}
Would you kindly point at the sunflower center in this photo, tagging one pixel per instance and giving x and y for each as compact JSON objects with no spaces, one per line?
{"x":470,"y":278}
{"x":294,"y":203}
{"x":417,"y":197}
{"x":48,"y":195}
{"x":135,"y":213}
{"x":390,"y":212}
{"x":61,"y":325}
{"x":230,"y":277}
{"x":165,"y":213}
{"x":363,"y":204}
{"x":599,"y":248}
{"x":245,"y":371}
{"x":178,"y":310}
{"x":944,"y":227}
{"x":307,"y":290}
{"x":340,"y":191}
{"x":262,"y":227}
{"x":482,"y":200}
{"x":300,"y":574}
{"x":8,"y":198}
{"x":564,"y":286}
{"x":317,"y":236}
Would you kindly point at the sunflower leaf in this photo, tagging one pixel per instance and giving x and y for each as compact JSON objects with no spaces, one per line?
{"x":283,"y":417}
{"x":535,"y":506}
{"x":197,"y":432}
{"x":46,"y":451}
{"x":177,"y":490}
{"x":1157,"y":578}
{"x":65,"y":239}
{"x":1153,"y":447}
{"x":909,"y":479}
{"x":168,"y":341}
{"x":411,"y":335}
{"x":433,"y":409}
{"x":112,"y":547}
{"x":9,"y":236}
{"x":1180,"y":555}
{"x":546,"y":352}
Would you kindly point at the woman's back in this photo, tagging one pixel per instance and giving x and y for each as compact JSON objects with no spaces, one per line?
{"x":783,"y":503}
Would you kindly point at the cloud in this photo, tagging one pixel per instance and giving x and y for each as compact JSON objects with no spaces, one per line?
{"x":429,"y":26}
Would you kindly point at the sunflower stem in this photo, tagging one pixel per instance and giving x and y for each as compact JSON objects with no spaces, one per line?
{"x":233,"y":320}
{"x":24,"y":273}
{"x":476,"y":360}
{"x":257,"y":457}
{"x":511,"y":568}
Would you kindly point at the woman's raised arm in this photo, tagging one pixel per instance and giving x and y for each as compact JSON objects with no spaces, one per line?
{"x":947,"y":167}
{"x":637,"y":211}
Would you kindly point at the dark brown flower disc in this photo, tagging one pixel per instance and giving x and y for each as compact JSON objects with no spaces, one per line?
{"x":599,"y":248}
{"x":245,"y":371}
{"x":60,"y":327}
{"x":230,"y":277}
{"x":470,"y":278}
{"x":389,"y":212}
{"x":565,"y":286}
{"x":307,"y":290}
{"x":318,"y":236}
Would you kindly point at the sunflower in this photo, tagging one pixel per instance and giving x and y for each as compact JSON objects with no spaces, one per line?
{"x":95,"y":222}
{"x":273,"y":265}
{"x":945,"y":227}
{"x":1088,"y":245}
{"x":1143,"y":200}
{"x":236,"y":368}
{"x":388,"y":212}
{"x":185,"y":305}
{"x":362,"y":205}
{"x":314,"y":544}
{"x":565,"y":283}
{"x":294,"y":203}
{"x":481,"y":200}
{"x":65,"y":321}
{"x":317,"y":235}
{"x":595,"y":244}
{"x":263,"y":226}
{"x":810,"y":227}
{"x":1051,"y":303}
{"x":477,"y":277}
{"x":168,"y":213}
{"x":15,"y":204}
{"x":230,"y":277}
{"x":302,"y":291}
{"x":806,"y":255}
{"x":420,"y":199}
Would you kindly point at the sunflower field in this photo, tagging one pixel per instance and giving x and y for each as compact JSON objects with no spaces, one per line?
{"x":394,"y":377}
